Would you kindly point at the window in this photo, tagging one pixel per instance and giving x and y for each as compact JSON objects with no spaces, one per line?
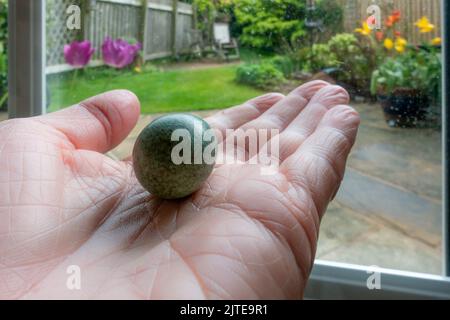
{"x":390,"y":215}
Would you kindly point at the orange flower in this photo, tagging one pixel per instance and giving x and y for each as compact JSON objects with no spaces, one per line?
{"x":379,"y":36}
{"x":397,"y":33}
{"x":396,"y":16}
{"x":393,"y":18}
{"x":389,"y":22}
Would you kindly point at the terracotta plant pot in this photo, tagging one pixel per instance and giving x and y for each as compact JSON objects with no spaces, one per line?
{"x":404,"y":107}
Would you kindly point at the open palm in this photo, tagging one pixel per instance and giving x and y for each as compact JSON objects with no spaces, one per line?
{"x":243,"y":235}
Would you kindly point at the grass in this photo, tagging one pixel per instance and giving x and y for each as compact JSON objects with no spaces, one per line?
{"x":178,"y":90}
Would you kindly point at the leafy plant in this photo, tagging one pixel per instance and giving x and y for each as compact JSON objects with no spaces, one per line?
{"x":319,"y":57}
{"x":259,"y":75}
{"x":356,"y":62}
{"x":406,"y":71}
{"x":270,"y":24}
{"x":283,"y":64}
{"x":433,"y":61}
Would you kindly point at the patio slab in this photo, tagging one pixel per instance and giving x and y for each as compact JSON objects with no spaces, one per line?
{"x":346,"y":236}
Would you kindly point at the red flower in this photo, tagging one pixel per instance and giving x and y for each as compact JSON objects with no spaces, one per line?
{"x":397,"y":34}
{"x":379,"y":36}
{"x":396,"y":16}
{"x":393,"y":18}
{"x":389,"y":22}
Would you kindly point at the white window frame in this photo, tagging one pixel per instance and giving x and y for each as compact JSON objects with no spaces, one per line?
{"x":329,"y":280}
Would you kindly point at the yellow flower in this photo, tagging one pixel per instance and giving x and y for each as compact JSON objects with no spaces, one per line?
{"x":400,"y":49}
{"x":424,"y":25}
{"x":365,"y":30}
{"x":137,"y":69}
{"x":436,"y":41}
{"x":400,"y":44}
{"x":388,"y":43}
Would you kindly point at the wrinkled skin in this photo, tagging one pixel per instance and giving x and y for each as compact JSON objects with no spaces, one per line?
{"x":243,"y":235}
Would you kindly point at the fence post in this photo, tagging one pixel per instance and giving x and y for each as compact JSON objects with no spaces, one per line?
{"x":86,"y":17}
{"x":144,"y":26}
{"x":174,"y":27}
{"x":194,"y":16}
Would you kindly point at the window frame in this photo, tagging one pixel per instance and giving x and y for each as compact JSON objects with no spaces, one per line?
{"x":26,"y":57}
{"x":329,"y":280}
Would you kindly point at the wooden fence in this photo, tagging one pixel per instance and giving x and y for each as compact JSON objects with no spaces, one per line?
{"x":161,"y":31}
{"x":355,"y":11}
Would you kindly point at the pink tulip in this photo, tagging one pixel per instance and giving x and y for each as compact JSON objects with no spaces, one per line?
{"x":119,"y":53}
{"x":78,"y":54}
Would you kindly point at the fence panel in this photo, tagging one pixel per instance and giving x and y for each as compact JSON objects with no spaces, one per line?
{"x":57,"y":33}
{"x":113,"y":20}
{"x":355,"y":11}
{"x":118,"y":19}
{"x":159,"y":31}
{"x":184,"y":25}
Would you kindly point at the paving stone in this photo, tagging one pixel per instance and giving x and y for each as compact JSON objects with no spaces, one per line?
{"x":417,"y":215}
{"x":388,"y":248}
{"x":341,"y":225}
{"x":410,"y":158}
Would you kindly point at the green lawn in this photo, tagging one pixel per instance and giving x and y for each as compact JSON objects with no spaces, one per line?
{"x":158,"y":91}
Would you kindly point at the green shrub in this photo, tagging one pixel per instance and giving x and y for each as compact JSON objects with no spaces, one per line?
{"x":316,"y":58}
{"x":284,"y":64}
{"x":259,"y":75}
{"x":321,"y":57}
{"x":270,"y":24}
{"x":355,"y":63}
{"x":418,"y":70}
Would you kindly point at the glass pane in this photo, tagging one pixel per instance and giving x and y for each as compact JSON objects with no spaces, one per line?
{"x":219,"y":54}
{"x":3,"y":59}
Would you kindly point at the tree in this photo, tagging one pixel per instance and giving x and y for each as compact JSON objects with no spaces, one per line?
{"x":270,"y":24}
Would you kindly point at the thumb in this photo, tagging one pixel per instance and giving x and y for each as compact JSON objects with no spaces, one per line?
{"x":99,"y":123}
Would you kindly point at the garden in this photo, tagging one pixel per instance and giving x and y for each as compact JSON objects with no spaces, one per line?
{"x":279,"y":51}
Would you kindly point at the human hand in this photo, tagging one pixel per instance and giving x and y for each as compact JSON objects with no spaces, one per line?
{"x":243,"y":235}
